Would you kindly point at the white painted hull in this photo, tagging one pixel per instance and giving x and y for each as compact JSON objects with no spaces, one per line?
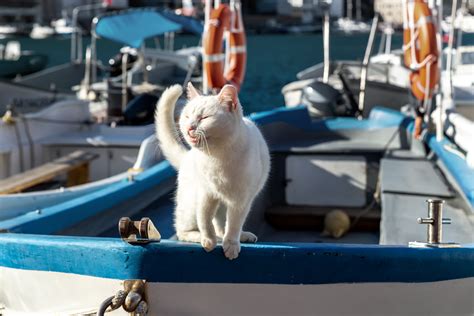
{"x":52,"y":293}
{"x":57,"y":119}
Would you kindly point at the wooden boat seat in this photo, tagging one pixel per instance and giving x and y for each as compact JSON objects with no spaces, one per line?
{"x":75,"y":165}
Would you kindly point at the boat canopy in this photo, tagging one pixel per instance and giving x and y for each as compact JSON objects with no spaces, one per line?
{"x":132,"y":27}
{"x":189,"y":24}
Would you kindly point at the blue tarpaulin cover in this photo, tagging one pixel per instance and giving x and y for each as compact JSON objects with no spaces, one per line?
{"x":133,"y":27}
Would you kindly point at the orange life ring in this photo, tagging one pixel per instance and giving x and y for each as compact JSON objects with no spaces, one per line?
{"x":220,"y":21}
{"x":420,"y":49}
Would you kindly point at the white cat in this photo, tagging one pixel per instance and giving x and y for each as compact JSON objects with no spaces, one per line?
{"x":227,"y":165}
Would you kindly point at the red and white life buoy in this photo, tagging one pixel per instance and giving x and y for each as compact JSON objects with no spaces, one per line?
{"x":223,"y":19}
{"x":420,"y":49}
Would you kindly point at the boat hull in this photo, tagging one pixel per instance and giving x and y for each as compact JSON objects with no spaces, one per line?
{"x":83,"y":294}
{"x":268,"y":278}
{"x":27,"y":63}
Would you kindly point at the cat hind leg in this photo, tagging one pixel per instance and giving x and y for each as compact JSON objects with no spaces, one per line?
{"x":189,"y":236}
{"x":248,"y":237}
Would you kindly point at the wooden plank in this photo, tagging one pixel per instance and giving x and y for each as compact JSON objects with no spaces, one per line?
{"x":78,"y":175}
{"x":48,"y":171}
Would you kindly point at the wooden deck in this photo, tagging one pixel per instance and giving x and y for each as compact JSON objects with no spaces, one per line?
{"x":75,"y":165}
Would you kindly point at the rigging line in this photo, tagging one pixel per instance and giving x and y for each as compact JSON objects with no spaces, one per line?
{"x":376,"y":194}
{"x":57,"y":121}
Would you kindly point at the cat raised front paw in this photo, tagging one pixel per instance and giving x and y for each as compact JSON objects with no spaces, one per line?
{"x":208,"y":243}
{"x":231,"y":248}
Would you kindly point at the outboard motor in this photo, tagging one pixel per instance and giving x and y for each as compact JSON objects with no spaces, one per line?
{"x":140,"y":110}
{"x":323,"y":100}
{"x":115,"y":63}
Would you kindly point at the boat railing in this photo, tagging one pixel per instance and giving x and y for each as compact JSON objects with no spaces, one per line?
{"x":131,"y":27}
{"x":186,"y":62}
{"x":365,"y":63}
{"x":76,"y":36}
{"x":385,"y":46}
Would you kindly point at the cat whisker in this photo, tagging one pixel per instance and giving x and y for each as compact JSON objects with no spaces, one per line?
{"x":202,"y":136}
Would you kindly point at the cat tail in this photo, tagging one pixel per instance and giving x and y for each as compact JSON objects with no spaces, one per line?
{"x":166,"y":131}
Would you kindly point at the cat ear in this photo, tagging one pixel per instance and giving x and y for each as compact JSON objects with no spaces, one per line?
{"x":228,"y":97}
{"x":192,"y":92}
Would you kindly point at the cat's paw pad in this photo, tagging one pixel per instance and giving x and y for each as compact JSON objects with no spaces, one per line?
{"x":208,"y":243}
{"x":231,"y":249}
{"x":248,"y":237}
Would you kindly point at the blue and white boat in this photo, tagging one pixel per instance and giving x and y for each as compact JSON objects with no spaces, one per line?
{"x":67,"y":252}
{"x":68,"y":258}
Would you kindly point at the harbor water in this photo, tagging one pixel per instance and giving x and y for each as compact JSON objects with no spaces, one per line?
{"x":273,"y":60}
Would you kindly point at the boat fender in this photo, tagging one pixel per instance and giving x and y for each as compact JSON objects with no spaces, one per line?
{"x":336,"y":224}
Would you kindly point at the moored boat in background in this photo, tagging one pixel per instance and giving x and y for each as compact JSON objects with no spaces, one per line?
{"x":16,"y":62}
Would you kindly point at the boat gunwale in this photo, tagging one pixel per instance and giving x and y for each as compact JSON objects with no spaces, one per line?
{"x":262,"y":263}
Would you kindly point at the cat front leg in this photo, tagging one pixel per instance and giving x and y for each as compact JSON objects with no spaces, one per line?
{"x":219,"y":226}
{"x":207,"y":207}
{"x":233,"y":230}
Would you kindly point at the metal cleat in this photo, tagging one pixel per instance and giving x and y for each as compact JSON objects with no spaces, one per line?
{"x":138,"y":232}
{"x":435,"y":223}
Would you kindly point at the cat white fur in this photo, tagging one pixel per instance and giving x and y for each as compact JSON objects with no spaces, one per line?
{"x":223,"y":171}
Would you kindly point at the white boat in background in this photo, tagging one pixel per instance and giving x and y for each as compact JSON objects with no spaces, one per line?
{"x":62,"y":26}
{"x":16,"y":62}
{"x":8,"y":30}
{"x":465,"y":23}
{"x":109,"y":124}
{"x":347,"y":25}
{"x":386,"y":82}
{"x":39,"y":31}
{"x":462,"y":80}
{"x":386,"y":79}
